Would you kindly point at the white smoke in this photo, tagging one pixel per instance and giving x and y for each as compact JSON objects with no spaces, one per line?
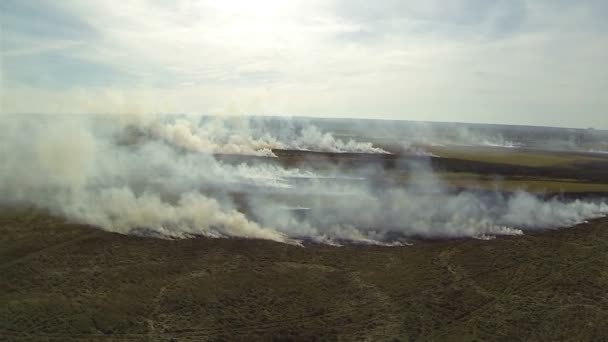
{"x":525,"y":210}
{"x":85,"y":169}
{"x":426,"y":208}
{"x":237,"y":137}
{"x":66,"y":166}
{"x":120,"y":210}
{"x":424,"y":134}
{"x":411,"y":149}
{"x":468,"y":137}
{"x":312,"y":138}
{"x":185,"y":134}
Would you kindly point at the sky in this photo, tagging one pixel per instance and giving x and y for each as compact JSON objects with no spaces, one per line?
{"x":533,"y":62}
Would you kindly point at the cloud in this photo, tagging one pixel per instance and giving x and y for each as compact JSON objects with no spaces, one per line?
{"x":455,"y":18}
{"x":44,"y":19}
{"x":530,"y":62}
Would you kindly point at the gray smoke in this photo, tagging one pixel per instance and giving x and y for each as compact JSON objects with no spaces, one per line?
{"x":157,"y":175}
{"x":73,"y":167}
{"x":425,"y":208}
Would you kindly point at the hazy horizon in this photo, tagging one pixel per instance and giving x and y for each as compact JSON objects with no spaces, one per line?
{"x":523,"y":62}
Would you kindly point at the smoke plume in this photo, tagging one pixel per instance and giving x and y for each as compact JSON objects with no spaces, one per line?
{"x":236,"y":136}
{"x":158,"y":176}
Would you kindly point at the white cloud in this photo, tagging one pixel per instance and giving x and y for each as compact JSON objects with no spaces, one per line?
{"x":530,"y":62}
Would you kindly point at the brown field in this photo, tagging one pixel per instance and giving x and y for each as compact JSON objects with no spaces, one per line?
{"x":68,"y":282}
{"x":470,"y":168}
{"x":515,"y":156}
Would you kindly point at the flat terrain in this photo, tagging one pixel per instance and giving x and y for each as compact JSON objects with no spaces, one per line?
{"x":515,"y":156}
{"x":68,"y":282}
{"x":546,"y":172}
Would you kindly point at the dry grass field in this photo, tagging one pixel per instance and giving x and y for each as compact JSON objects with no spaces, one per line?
{"x":515,"y":156}
{"x":67,"y":282}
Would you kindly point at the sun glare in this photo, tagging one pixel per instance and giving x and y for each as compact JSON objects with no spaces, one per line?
{"x":260,"y":9}
{"x":255,"y":24}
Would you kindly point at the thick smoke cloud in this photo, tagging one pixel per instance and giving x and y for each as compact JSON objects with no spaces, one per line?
{"x":236,"y":136}
{"x":313,"y":139}
{"x":158,"y":176}
{"x":74,"y":169}
{"x":427,"y":208}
